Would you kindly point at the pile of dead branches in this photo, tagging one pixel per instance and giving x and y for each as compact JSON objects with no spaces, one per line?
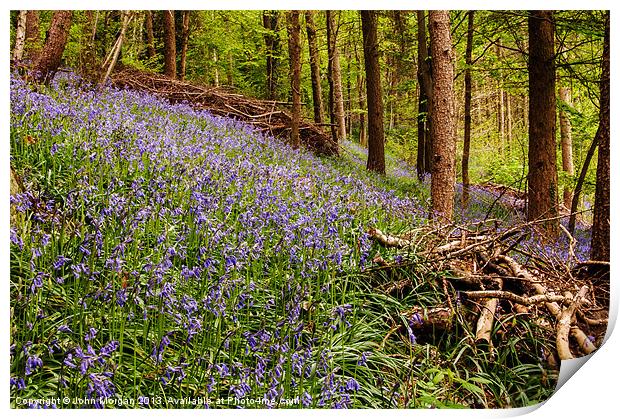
{"x":486,"y":267}
{"x":267,"y":116}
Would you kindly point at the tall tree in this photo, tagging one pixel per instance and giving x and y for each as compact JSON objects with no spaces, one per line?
{"x":376,"y":136}
{"x":272,"y":43}
{"x":116,"y":49}
{"x":467,"y":111}
{"x":542,"y":174}
{"x":600,"y":249}
{"x":150,"y":37}
{"x":50,"y":57}
{"x":443,"y":120}
{"x":32,"y":46}
{"x":184,"y":43}
{"x":315,"y":68}
{"x":170,"y":45}
{"x":335,"y":78}
{"x":294,"y":51}
{"x":20,"y":36}
{"x":424,"y":161}
{"x":566,"y":138}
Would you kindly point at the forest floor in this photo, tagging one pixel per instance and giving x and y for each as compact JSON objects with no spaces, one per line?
{"x":163,"y":254}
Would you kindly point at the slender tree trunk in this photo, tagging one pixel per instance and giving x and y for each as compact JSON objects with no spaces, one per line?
{"x":566,"y":138}
{"x":170,"y":46}
{"x":579,"y":185}
{"x":376,"y":157}
{"x":20,"y":36}
{"x":508,"y":122}
{"x":335,"y":77}
{"x":363,"y":138}
{"x":229,"y":73}
{"x":542,"y":175}
{"x":216,"y":76}
{"x":467,"y":117}
{"x":272,"y":44}
{"x":443,"y":125}
{"x":150,"y":38}
{"x":600,"y":249}
{"x":116,"y":49}
{"x":88,"y":56}
{"x":501,"y":126}
{"x":50,"y":57}
{"x":315,"y":68}
{"x":32,"y":46}
{"x":294,"y":52}
{"x":184,"y":43}
{"x":424,"y":161}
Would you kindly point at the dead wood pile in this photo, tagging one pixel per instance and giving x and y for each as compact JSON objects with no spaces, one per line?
{"x":266,"y":116}
{"x":487,"y":271}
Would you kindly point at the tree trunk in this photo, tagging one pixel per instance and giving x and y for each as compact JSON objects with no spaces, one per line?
{"x":150,"y":37}
{"x":294,"y":52}
{"x":184,"y":42}
{"x":567,"y":142}
{"x":50,"y":57}
{"x":272,"y":44}
{"x":20,"y":36}
{"x":443,"y":121}
{"x":501,"y":126}
{"x":376,"y":157}
{"x":170,"y":46}
{"x":508,"y":122}
{"x":335,"y":77}
{"x":32,"y":46}
{"x":579,"y":185}
{"x":363,"y":138}
{"x":125,"y":18}
{"x":542,"y":175}
{"x":315,"y":68}
{"x":424,"y":161}
{"x":467,"y":111}
{"x":88,"y":57}
{"x":600,"y":226}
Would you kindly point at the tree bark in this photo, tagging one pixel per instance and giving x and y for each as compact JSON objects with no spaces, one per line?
{"x":315,"y":68}
{"x":443,"y":121}
{"x":125,"y":18}
{"x":294,"y":52}
{"x":424,"y":162}
{"x":335,"y":77}
{"x":32,"y":46}
{"x":150,"y":37}
{"x":50,"y":57}
{"x":600,"y":249}
{"x":567,"y":142}
{"x":467,"y":110}
{"x":542,"y":175}
{"x":20,"y":36}
{"x":501,"y":126}
{"x":376,"y":136}
{"x":272,"y":44}
{"x":170,"y":46}
{"x":184,"y":42}
{"x":579,"y":185}
{"x":88,"y":57}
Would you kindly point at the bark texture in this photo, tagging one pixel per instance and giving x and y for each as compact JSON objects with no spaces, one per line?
{"x":272,"y":44}
{"x":170,"y":46}
{"x":184,"y":43}
{"x":150,"y":37}
{"x":315,"y":68}
{"x":467,"y":110}
{"x":600,"y":226}
{"x":566,"y":138}
{"x":376,"y":136}
{"x":50,"y":57}
{"x":443,"y":121}
{"x":335,"y":76}
{"x":542,"y":175}
{"x":424,"y":161}
{"x":294,"y":51}
{"x":20,"y":36}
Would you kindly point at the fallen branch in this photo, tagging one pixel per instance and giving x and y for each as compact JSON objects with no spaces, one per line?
{"x":564,"y":324}
{"x":525,"y":301}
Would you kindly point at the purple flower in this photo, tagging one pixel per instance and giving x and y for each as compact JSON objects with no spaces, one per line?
{"x":33,"y":363}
